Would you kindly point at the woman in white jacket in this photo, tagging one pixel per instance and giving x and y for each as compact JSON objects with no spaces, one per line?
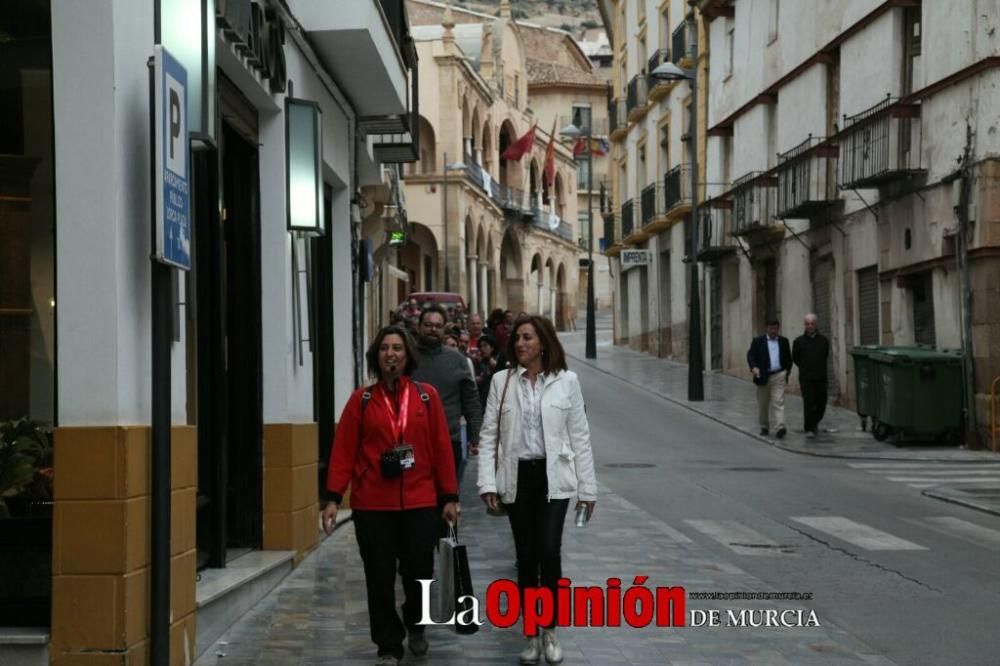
{"x":534,"y":457}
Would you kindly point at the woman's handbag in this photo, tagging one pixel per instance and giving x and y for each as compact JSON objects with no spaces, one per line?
{"x":499,"y":511}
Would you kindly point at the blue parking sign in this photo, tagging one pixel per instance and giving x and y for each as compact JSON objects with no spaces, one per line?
{"x":172,"y":162}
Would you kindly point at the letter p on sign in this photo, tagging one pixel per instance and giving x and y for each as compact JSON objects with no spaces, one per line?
{"x":176,"y":128}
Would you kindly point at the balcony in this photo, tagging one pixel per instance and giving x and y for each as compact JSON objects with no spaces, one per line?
{"x":880,"y":145}
{"x":677,"y":192}
{"x":512,"y":200}
{"x":551,"y":223}
{"x":617,"y":119}
{"x":357,"y":45}
{"x":753,"y":203}
{"x":628,"y":220}
{"x":806,"y":179}
{"x":611,"y":244}
{"x":713,"y":9}
{"x":715,"y":239}
{"x":658,"y":88}
{"x":481,"y":178}
{"x":680,"y":41}
{"x":636,"y":98}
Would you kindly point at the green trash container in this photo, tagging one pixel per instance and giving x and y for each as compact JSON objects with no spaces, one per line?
{"x":865,"y":383}
{"x":919,"y":394}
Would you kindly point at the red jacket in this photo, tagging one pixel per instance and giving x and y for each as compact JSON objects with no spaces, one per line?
{"x":432,"y":477}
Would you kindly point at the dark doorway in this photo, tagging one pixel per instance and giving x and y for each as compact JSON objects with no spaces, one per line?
{"x":715,"y":320}
{"x":923,"y":309}
{"x":230,"y":391}
{"x":323,"y":359}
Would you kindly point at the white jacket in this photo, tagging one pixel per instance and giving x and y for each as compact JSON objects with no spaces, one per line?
{"x":569,"y":458}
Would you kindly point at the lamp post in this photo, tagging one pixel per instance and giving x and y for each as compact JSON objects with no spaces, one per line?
{"x":668,"y":71}
{"x":456,"y":166}
{"x":571,"y":131}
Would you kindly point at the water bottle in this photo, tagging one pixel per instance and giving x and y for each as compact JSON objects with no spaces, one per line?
{"x":581,"y":515}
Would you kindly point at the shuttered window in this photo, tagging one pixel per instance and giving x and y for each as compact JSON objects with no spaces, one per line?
{"x":868,"y":306}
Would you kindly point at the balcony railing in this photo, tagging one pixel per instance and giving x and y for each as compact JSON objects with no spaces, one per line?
{"x":617,"y":117}
{"x":679,"y":42}
{"x":806,"y":179}
{"x":609,"y":230}
{"x":511,"y":199}
{"x":652,"y":202}
{"x":482,"y":179}
{"x":753,"y":201}
{"x":715,"y":238}
{"x":637,"y":93}
{"x":553,"y":225}
{"x":658,"y":57}
{"x":677,"y":188}
{"x":880,"y":144}
{"x":628,"y":218}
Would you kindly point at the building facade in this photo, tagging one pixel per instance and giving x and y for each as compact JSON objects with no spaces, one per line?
{"x":651,"y":140}
{"x":850,"y":169}
{"x":486,"y":227}
{"x":265,"y":334}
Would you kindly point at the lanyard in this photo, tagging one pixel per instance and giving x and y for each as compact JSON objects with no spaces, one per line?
{"x":398,"y":420}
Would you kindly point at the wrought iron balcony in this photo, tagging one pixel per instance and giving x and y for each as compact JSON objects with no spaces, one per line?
{"x":715,"y":240}
{"x":511,"y":199}
{"x":628,"y":219}
{"x":806,"y":179}
{"x":652,"y":203}
{"x":880,"y":144}
{"x":658,"y":88}
{"x":753,"y":202}
{"x":636,"y":96}
{"x":617,"y":119}
{"x":677,"y":191}
{"x":680,"y":41}
{"x":609,"y":230}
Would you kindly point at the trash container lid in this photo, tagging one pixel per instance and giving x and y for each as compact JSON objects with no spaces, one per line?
{"x":864,"y":350}
{"x":907,"y":355}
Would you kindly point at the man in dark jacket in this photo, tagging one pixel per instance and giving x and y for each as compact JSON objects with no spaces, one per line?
{"x":810,"y":352}
{"x":770,"y":361}
{"x":447,"y":370}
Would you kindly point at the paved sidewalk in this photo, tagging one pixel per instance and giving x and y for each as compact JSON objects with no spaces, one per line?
{"x":318,"y":615}
{"x":732,"y":402}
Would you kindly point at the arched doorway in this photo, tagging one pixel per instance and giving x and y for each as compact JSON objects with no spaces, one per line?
{"x":419,"y":260}
{"x":562,"y":300}
{"x":511,"y":286}
{"x":510,"y":170}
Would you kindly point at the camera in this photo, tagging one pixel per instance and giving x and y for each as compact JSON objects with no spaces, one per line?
{"x":392,"y":466}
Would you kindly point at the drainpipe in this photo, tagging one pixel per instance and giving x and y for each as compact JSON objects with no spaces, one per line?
{"x":963,"y":238}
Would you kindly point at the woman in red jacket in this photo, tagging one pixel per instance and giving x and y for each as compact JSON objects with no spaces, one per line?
{"x":392,"y":445}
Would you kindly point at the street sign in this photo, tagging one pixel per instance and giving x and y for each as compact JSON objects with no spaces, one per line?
{"x":172,"y":162}
{"x":633,"y":258}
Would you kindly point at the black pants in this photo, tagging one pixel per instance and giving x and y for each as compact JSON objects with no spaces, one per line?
{"x":537,"y":524}
{"x":813,"y":401}
{"x":388,"y":539}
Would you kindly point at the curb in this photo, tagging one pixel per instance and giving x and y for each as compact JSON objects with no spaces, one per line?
{"x":969,"y":504}
{"x":768,"y":441}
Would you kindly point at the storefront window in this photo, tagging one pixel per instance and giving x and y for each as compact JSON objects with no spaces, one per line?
{"x":27,"y":313}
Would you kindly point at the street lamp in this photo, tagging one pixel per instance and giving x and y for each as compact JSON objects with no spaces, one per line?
{"x":454,"y":166}
{"x":668,"y":71}
{"x":571,"y":131}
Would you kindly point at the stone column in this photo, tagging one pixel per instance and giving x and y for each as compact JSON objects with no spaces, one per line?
{"x":473,"y":285}
{"x":484,"y":287}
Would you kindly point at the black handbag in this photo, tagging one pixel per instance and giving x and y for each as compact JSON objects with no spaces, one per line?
{"x":456,"y":581}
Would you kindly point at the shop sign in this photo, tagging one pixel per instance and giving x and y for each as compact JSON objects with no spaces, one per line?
{"x":633,"y":258}
{"x":259,"y":35}
{"x":172,"y":161}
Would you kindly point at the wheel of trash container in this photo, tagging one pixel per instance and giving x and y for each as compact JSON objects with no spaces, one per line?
{"x":881,"y":431}
{"x":864,"y":424}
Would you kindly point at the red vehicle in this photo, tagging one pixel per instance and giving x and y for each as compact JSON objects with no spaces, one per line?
{"x":446,"y":299}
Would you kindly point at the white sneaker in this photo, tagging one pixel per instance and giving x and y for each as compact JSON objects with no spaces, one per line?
{"x":532,"y":651}
{"x":553,"y":651}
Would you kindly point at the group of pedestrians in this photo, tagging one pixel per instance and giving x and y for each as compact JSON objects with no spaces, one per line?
{"x":398,"y":446}
{"x":771,"y":358}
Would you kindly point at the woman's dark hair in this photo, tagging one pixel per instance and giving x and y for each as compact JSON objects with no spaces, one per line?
{"x":553,"y":356}
{"x":485,"y":338}
{"x":494,"y":319}
{"x":374,"y":369}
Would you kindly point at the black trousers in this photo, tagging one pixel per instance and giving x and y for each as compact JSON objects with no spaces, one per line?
{"x":387,"y":540}
{"x":537,"y":524}
{"x":813,"y":402}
